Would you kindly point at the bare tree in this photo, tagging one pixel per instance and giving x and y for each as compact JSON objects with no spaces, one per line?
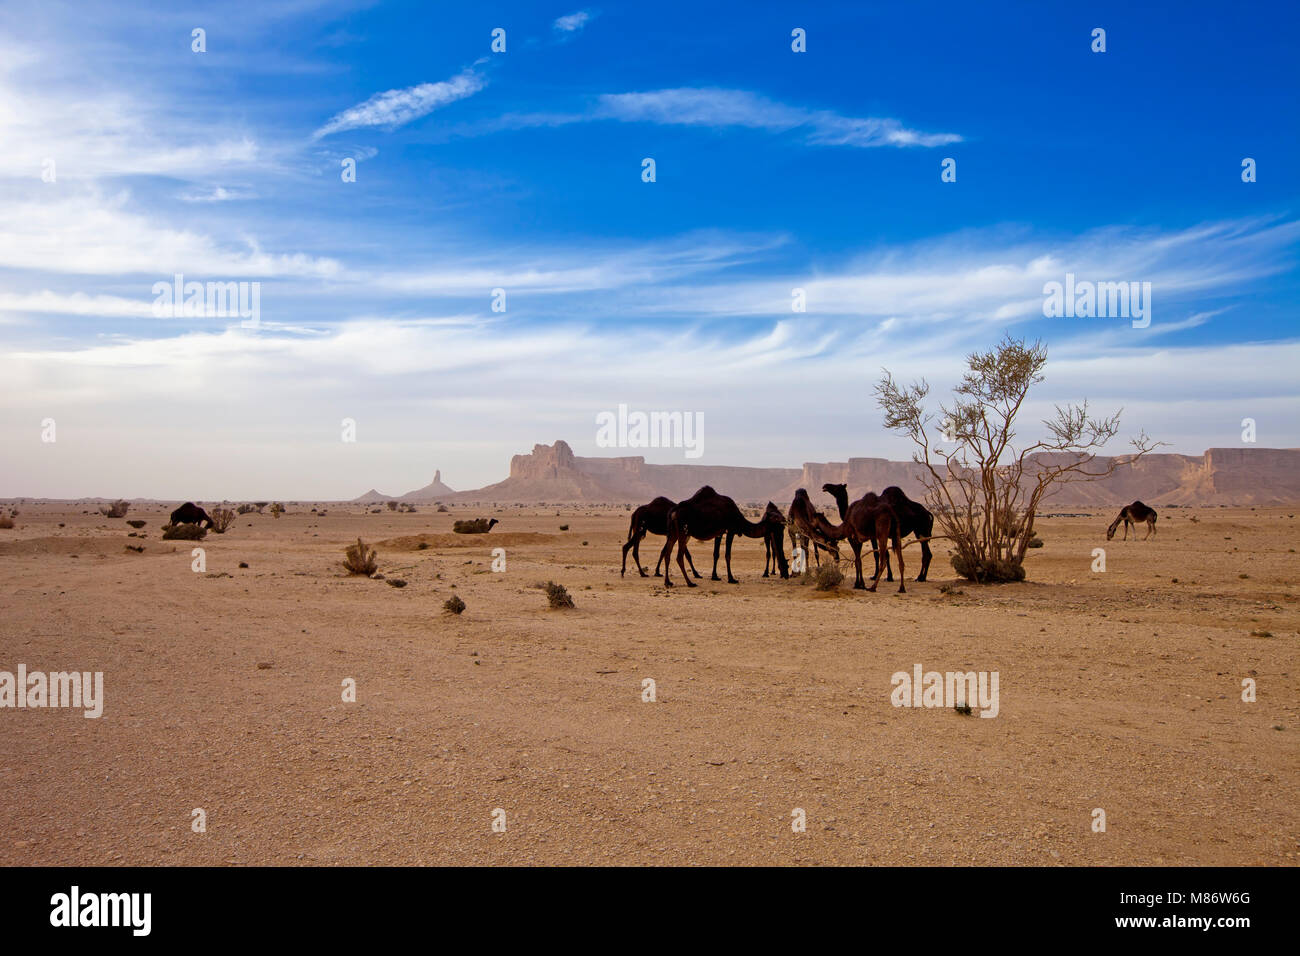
{"x":985,"y":488}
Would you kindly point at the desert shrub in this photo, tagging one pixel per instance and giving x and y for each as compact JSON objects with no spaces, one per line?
{"x":442,"y":508}
{"x":396,"y":583}
{"x":453,"y":604}
{"x":117,"y":509}
{"x":222,"y":518}
{"x":1035,"y":541}
{"x":245,"y":509}
{"x":985,"y":488}
{"x":422,"y":546}
{"x":557,"y":596}
{"x":277,"y":509}
{"x":361,"y":559}
{"x":828,"y":576}
{"x":988,"y":571}
{"x":564,"y":527}
{"x":259,"y":505}
{"x":183,"y":532}
{"x":137,"y":523}
{"x":392,"y":506}
{"x":6,"y":522}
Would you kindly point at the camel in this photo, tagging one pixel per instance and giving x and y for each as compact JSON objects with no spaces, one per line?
{"x":869,"y":519}
{"x":802,"y":528}
{"x":708,"y":516}
{"x":474,"y":525}
{"x":769,"y":548}
{"x":1131,"y":515}
{"x":190,"y":513}
{"x":651,"y":519}
{"x":913,"y":518}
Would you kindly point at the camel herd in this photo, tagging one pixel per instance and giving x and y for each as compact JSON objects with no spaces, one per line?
{"x":879,"y":520}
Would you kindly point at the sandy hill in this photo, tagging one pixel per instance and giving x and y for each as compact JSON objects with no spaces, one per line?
{"x":553,"y":473}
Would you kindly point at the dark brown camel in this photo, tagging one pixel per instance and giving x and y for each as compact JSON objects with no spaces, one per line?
{"x":1132,"y":515}
{"x":802,"y":523}
{"x":190,"y":513}
{"x":771,"y":543}
{"x":869,"y":519}
{"x":708,"y":516}
{"x":913,"y":518}
{"x":649,"y":519}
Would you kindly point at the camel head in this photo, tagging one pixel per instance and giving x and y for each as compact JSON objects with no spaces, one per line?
{"x":1110,"y":532}
{"x":492,"y":522}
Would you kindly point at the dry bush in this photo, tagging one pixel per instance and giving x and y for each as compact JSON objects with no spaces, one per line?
{"x":117,"y":509}
{"x":983,"y":487}
{"x":6,"y":522}
{"x":392,"y":506}
{"x":396,"y":583}
{"x":828,"y":576}
{"x":453,"y":604}
{"x":183,"y":532}
{"x":361,"y":559}
{"x":222,"y":518}
{"x":137,"y":523}
{"x":259,"y":505}
{"x":246,"y":509}
{"x":442,"y":508}
{"x":988,"y":572}
{"x":557,"y":596}
{"x":277,"y":509}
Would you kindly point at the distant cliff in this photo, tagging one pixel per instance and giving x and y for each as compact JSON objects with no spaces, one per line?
{"x":553,"y":473}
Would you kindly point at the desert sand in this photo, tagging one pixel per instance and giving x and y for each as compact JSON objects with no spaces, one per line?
{"x":1119,"y":690}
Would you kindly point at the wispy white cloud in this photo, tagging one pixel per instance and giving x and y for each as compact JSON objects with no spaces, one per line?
{"x":571,"y":23}
{"x":215,"y":194}
{"x":718,"y":108}
{"x":395,"y":108}
{"x":87,"y":233}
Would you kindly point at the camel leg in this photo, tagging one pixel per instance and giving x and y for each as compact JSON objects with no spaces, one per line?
{"x":636,"y":555}
{"x":858,"y":584}
{"x":681,"y":563}
{"x":688,"y":559}
{"x":666,"y":556}
{"x":925,"y":560}
{"x":767,"y":553}
{"x":717,"y":547}
{"x":898,"y":552}
{"x":730,"y":537}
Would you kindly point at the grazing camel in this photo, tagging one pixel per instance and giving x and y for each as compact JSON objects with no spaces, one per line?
{"x":474,"y":525}
{"x":802,"y":524}
{"x":1131,"y":515}
{"x":708,"y":516}
{"x":869,"y":519}
{"x":913,"y":518}
{"x":190,"y":513}
{"x":651,"y":519}
{"x":771,"y":543}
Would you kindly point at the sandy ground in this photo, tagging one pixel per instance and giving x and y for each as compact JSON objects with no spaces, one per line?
{"x":1118,"y":690}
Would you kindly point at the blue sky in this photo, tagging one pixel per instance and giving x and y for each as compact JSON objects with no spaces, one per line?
{"x":521,"y":170}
